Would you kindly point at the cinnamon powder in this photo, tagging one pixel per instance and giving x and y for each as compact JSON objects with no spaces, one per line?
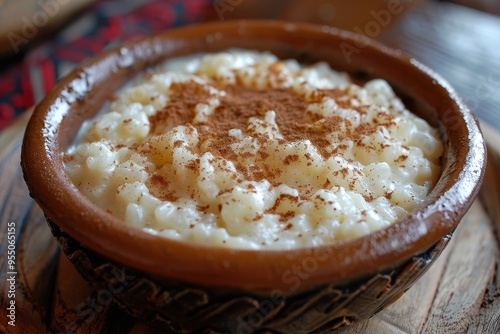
{"x":240,"y":104}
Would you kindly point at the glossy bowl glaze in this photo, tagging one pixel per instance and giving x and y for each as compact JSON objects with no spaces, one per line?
{"x":184,"y":287}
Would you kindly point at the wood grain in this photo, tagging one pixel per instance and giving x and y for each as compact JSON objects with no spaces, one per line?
{"x":488,"y":318}
{"x":469,"y":268}
{"x":450,"y":298}
{"x":34,"y":266}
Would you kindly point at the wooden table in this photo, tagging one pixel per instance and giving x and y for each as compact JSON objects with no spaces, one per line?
{"x":459,"y":294}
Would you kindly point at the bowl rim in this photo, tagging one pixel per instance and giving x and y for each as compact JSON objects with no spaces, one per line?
{"x":288,"y":270}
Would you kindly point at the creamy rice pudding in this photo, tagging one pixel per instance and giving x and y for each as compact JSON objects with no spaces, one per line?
{"x":240,"y":149}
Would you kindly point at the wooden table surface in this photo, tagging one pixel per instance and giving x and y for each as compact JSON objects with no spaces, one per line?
{"x":459,"y":294}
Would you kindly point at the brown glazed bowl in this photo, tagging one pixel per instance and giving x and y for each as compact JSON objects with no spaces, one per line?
{"x":184,"y":288}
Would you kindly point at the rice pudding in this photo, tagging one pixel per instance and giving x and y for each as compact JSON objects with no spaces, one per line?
{"x":240,"y":149}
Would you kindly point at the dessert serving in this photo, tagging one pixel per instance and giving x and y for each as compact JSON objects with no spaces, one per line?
{"x":252,"y":177}
{"x":241,"y":149}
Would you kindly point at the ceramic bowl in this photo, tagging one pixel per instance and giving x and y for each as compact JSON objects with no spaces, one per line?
{"x":183,"y":287}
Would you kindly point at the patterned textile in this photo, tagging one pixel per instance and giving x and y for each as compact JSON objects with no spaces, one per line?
{"x":25,"y":81}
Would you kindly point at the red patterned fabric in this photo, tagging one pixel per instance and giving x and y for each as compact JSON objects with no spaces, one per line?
{"x":103,"y":25}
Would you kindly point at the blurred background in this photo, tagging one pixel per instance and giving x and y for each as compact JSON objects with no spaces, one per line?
{"x":41,"y":40}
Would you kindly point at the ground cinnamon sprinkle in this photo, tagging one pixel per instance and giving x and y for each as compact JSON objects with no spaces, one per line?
{"x":160,"y":187}
{"x":401,"y":158}
{"x":183,"y":99}
{"x":240,"y":103}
